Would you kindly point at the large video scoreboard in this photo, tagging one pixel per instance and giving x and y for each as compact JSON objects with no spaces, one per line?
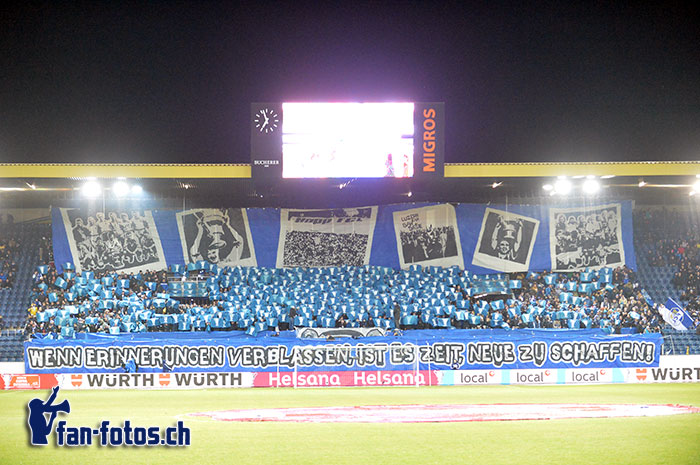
{"x":347,"y":140}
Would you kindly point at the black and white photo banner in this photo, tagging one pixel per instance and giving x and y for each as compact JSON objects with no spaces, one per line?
{"x":332,"y":237}
{"x":219,"y":236}
{"x":428,"y":236}
{"x":580,"y":238}
{"x":505,"y":241}
{"x":113,"y":240}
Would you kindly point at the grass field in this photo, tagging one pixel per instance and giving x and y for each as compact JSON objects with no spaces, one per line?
{"x":672,"y":439}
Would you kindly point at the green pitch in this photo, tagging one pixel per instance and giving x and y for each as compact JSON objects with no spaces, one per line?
{"x":672,"y":439}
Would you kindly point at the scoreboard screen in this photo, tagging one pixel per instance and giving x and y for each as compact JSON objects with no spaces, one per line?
{"x":346,"y":140}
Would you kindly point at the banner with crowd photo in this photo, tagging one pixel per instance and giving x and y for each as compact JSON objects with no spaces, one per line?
{"x":218,"y":235}
{"x":125,"y":241}
{"x":428,"y":236}
{"x":413,"y":350}
{"x":332,"y":237}
{"x":583,"y":238}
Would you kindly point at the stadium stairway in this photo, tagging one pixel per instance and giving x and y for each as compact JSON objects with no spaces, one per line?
{"x":15,"y":301}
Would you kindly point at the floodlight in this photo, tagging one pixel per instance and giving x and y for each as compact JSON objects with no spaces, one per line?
{"x":91,"y":189}
{"x":120,"y":188}
{"x":590,"y":186}
{"x":562,"y":186}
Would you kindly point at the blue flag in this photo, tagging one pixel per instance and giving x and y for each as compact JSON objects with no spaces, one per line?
{"x":675,"y":315}
{"x":130,"y":366}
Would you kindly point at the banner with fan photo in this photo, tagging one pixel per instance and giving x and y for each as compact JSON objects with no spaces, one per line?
{"x":428,"y":236}
{"x":113,"y":240}
{"x":332,"y":237}
{"x":589,"y":237}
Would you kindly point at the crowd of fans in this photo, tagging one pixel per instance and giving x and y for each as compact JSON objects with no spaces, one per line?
{"x":9,"y":251}
{"x":672,"y":238}
{"x":668,"y":236}
{"x":350,"y":296}
{"x":311,"y":249}
{"x":619,"y":306}
{"x":45,"y":295}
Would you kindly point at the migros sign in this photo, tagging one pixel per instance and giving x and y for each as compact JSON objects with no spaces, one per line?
{"x":429,"y":142}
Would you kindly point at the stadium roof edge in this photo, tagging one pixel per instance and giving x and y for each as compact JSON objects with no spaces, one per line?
{"x":126,"y":170}
{"x":452,"y":170}
{"x":545,"y":169}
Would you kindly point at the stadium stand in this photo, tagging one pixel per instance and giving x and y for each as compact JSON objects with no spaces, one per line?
{"x":659,"y":233}
{"x":681,"y":342}
{"x":667,"y":242}
{"x":14,"y":302}
{"x":204,"y":297}
{"x":257,"y":299}
{"x":9,"y":249}
{"x":11,"y":349}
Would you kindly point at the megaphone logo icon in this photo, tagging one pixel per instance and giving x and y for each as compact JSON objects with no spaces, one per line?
{"x":39,"y":425}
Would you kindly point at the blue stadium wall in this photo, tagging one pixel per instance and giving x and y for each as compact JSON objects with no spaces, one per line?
{"x":470,"y":221}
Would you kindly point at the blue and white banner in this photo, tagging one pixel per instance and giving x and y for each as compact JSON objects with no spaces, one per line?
{"x":676,"y":316}
{"x":414,"y":350}
{"x":511,"y":237}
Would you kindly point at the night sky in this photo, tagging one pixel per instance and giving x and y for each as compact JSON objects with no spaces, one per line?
{"x":172,"y":82}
